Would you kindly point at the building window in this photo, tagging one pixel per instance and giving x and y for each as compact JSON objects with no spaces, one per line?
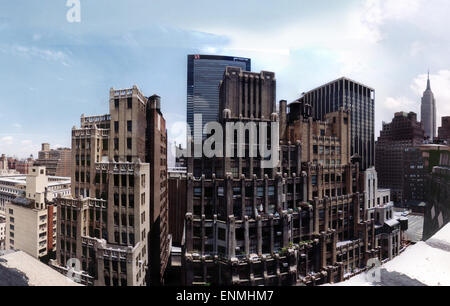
{"x":260,"y":191}
{"x":129,"y":103}
{"x":105,"y":144}
{"x":220,"y":191}
{"x":116,"y":143}
{"x":116,"y":103}
{"x":315,"y":149}
{"x":129,"y":126}
{"x":129,"y":144}
{"x":116,"y":126}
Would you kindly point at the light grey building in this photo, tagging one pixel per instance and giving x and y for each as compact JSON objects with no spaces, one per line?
{"x":428,"y":111}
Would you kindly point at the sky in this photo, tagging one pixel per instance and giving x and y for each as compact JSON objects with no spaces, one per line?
{"x":52,"y":70}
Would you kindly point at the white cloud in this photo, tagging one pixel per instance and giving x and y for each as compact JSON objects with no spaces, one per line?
{"x":399,"y":104}
{"x":18,"y":145}
{"x":37,"y":37}
{"x":7,"y":140}
{"x":44,"y":54}
{"x":17,"y":125}
{"x":26,"y":142}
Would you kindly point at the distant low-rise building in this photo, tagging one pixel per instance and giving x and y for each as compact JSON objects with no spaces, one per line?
{"x":31,"y":216}
{"x":23,"y":166}
{"x":5,"y":166}
{"x":56,"y":162}
{"x":12,"y":186}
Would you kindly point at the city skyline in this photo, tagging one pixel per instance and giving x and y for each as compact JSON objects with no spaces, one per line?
{"x":55,"y":67}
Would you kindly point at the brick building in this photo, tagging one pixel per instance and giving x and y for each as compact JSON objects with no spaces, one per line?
{"x":23,"y":166}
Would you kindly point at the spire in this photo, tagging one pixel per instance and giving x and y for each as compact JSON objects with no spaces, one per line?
{"x":428,"y":81}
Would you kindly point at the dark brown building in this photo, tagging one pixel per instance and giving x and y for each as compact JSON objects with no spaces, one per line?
{"x":177,"y":205}
{"x":159,"y":206}
{"x":284,"y":225}
{"x":444,"y":130}
{"x":393,"y":157}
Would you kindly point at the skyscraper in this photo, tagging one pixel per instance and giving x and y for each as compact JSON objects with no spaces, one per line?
{"x":360,"y":100}
{"x":301,"y":222}
{"x":116,"y":222}
{"x":204,"y":75}
{"x":428,"y":111}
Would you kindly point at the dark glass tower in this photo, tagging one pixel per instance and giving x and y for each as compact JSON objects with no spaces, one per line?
{"x":204,"y":75}
{"x":360,"y":100}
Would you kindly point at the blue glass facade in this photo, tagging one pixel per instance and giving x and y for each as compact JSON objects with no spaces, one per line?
{"x":204,"y":75}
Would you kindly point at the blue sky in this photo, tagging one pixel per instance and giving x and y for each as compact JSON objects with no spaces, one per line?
{"x":52,"y":71}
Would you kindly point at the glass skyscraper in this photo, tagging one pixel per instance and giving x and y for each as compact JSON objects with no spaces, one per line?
{"x":360,"y":101}
{"x":204,"y":75}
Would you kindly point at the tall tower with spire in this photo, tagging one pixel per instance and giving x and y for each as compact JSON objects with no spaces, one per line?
{"x":428,"y":111}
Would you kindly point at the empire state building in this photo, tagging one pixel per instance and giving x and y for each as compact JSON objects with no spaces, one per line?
{"x":428,"y":111}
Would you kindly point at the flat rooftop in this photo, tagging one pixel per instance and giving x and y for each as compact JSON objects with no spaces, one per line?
{"x":22,"y":179}
{"x":21,"y":269}
{"x":427,"y":263}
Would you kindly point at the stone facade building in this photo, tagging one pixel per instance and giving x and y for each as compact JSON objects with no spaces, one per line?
{"x":379,"y":207}
{"x":359,"y":100}
{"x":300,"y":222}
{"x":428,"y":112}
{"x":31,"y":218}
{"x":56,"y":162}
{"x":107,"y":225}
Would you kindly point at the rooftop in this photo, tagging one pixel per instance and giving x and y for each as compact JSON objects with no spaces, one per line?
{"x":334,"y":81}
{"x":20,"y":269}
{"x":22,"y":179}
{"x":424,"y":264}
